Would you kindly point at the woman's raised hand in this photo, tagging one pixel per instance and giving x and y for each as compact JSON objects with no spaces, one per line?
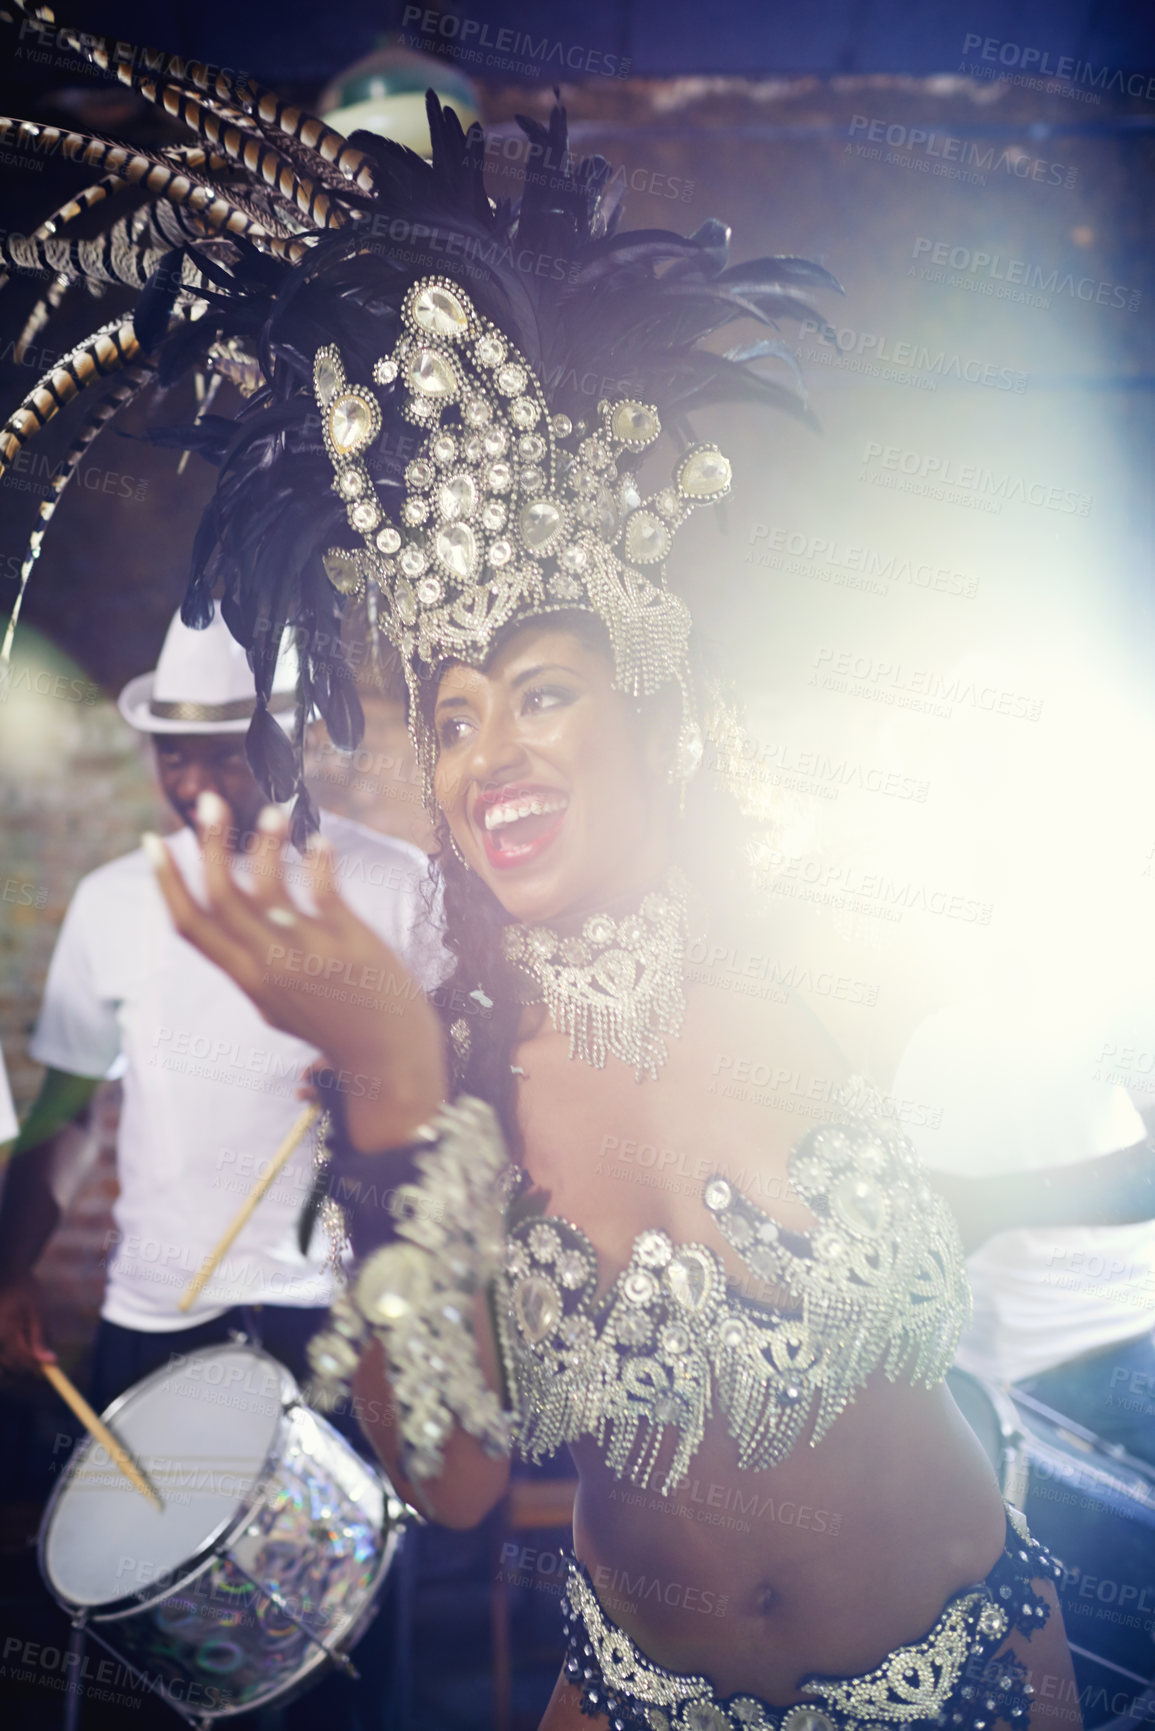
{"x":325,"y":977}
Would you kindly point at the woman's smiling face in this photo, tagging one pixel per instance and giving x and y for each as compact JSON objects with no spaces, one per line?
{"x":549,"y":780}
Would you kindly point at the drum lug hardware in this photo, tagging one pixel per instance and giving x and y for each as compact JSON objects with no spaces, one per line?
{"x":238,"y":1337}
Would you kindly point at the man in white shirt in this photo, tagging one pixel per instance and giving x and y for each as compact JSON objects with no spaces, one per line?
{"x":1065,"y":1310}
{"x":209,"y":1093}
{"x":209,"y":1089}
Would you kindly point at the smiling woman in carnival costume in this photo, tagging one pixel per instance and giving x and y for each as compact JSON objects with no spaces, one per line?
{"x":415,"y":435}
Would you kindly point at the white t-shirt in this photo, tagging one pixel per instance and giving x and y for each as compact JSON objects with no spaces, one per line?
{"x":8,"y":1124}
{"x":209,"y":1087}
{"x":997,"y":1100}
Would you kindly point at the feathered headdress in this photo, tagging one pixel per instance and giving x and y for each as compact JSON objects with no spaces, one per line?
{"x":415,"y":359}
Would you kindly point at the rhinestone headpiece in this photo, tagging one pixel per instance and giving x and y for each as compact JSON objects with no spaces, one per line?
{"x":510,"y":513}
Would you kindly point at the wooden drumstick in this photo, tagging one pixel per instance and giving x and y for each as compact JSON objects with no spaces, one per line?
{"x":100,"y":1433}
{"x":284,"y":1153}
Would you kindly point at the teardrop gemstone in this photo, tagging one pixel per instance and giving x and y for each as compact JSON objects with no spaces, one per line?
{"x":705,"y":475}
{"x":430,"y":375}
{"x":457,"y":549}
{"x":393,"y":1283}
{"x":326,"y":377}
{"x":688,"y":1278}
{"x":860,"y":1203}
{"x":343,"y":572}
{"x":647,"y":540}
{"x":458,"y":496}
{"x":540,"y":523}
{"x":350,"y":423}
{"x":536,"y":1306}
{"x":437,"y":310}
{"x":405,"y":603}
{"x":634,"y":424}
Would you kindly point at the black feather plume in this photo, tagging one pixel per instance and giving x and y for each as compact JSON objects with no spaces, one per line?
{"x":327,"y":256}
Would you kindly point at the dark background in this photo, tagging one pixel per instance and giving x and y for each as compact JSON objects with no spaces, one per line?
{"x":751,"y":103}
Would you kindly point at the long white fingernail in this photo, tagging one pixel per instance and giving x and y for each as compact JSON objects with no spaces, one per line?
{"x":155,"y":851}
{"x":272,"y":820}
{"x":282,"y":917}
{"x":318,"y":844}
{"x":211,"y":809}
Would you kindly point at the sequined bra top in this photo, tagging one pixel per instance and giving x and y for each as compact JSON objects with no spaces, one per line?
{"x":878,"y":1282}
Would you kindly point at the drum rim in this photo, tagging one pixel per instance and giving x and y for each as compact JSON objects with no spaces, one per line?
{"x":110,"y":1610}
{"x":1012,"y":1410}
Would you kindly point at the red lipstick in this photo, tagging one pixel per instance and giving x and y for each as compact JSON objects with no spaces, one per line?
{"x":518,"y":822}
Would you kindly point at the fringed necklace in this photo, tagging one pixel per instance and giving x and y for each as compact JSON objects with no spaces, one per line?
{"x":616,"y":986}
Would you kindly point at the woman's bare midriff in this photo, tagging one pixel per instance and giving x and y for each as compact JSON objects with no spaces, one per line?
{"x":821,"y":1565}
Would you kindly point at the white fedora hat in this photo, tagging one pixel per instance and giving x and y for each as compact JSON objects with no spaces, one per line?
{"x":203,"y":684}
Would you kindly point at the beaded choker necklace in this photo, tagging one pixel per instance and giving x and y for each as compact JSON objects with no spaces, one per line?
{"x":617,"y":986}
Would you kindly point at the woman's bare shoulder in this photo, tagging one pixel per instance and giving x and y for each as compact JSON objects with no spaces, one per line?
{"x":761,"y":993}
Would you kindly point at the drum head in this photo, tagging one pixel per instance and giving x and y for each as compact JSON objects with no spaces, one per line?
{"x":203,"y":1429}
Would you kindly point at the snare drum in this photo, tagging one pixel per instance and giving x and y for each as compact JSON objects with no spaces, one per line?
{"x":1093,"y":1506}
{"x":263,"y":1566}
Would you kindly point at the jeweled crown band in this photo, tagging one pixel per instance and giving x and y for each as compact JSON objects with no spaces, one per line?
{"x":510,"y":513}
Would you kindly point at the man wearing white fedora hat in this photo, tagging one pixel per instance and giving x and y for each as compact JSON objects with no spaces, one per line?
{"x":210,"y":1090}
